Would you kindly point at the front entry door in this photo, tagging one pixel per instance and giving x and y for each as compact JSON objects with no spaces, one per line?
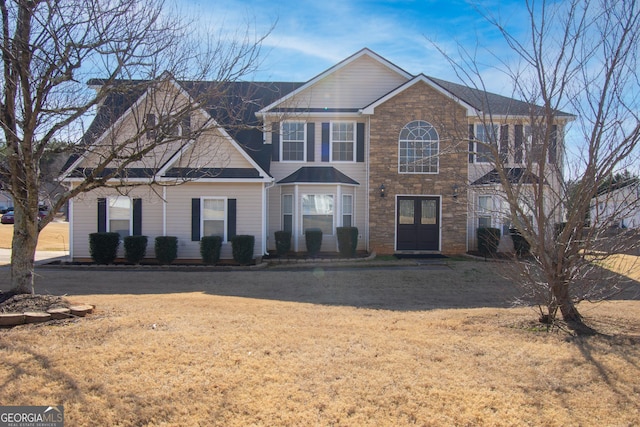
{"x":418,"y":220}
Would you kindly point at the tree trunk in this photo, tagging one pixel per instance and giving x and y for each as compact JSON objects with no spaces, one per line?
{"x":570,"y":313}
{"x":23,"y":250}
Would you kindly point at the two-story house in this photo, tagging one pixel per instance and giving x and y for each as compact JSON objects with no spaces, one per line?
{"x":363,"y":144}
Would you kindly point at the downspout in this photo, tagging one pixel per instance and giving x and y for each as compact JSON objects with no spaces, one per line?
{"x":265,"y":200}
{"x":70,"y":219}
{"x":164,"y":210}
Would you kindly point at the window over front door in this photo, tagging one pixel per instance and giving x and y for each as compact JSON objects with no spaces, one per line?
{"x":418,"y":148}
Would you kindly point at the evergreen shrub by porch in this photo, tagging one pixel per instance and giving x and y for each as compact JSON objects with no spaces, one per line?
{"x":283,"y":242}
{"x":488,"y":240}
{"x":210,"y":247}
{"x":347,"y":241}
{"x":103,"y":247}
{"x":313,"y":240}
{"x":166,"y":249}
{"x":520,"y":245}
{"x":242,"y":248}
{"x":135,"y":248}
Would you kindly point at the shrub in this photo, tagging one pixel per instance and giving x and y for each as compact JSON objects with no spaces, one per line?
{"x":313,"y":240}
{"x":520,"y":245}
{"x":103,"y":247}
{"x":347,"y":241}
{"x":488,"y":240}
{"x":283,"y":242}
{"x":242,"y":248}
{"x":135,"y":248}
{"x":210,"y":247}
{"x":166,"y":249}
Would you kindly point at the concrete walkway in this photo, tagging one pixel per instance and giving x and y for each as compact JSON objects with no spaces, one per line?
{"x":41,"y":256}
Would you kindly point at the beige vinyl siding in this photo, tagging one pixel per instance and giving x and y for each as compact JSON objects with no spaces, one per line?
{"x":85,"y":218}
{"x":248,"y":220}
{"x":354,"y":86}
{"x":212,"y":150}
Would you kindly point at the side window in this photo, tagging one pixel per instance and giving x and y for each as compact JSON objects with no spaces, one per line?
{"x":347,"y":210}
{"x":486,"y":136}
{"x":485,"y":206}
{"x":119,"y":215}
{"x":287,"y":212}
{"x":214,"y":217}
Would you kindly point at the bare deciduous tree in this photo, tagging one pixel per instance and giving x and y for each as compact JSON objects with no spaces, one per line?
{"x":51,"y":49}
{"x":578,"y":57}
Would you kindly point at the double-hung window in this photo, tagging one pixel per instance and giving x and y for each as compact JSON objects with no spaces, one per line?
{"x":214,"y":216}
{"x":485,"y":208}
{"x":317,"y":212}
{"x":119,"y":215}
{"x":293,"y":142}
{"x":287,"y":212}
{"x":347,"y":210}
{"x":486,"y":137}
{"x":418,"y":148}
{"x":343,"y":141}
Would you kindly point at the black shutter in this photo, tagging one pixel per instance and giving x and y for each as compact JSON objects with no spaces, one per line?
{"x":195,"y":220}
{"x":360,"y":142}
{"x":553,"y":144}
{"x":102,"y":215}
{"x":471,"y":144}
{"x":518,"y":140}
{"x":137,"y":217}
{"x":186,"y":127}
{"x":325,"y":142}
{"x":275,"y":141}
{"x":504,"y":143}
{"x":231,"y":218}
{"x":311,"y":136}
{"x":151,"y":126}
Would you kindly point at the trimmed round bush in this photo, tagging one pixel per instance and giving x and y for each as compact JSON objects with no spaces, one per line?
{"x":520,"y":245}
{"x":347,"y":241}
{"x":135,"y":248}
{"x":210,"y":247}
{"x":488,"y":240}
{"x":283,"y":242}
{"x":166,"y":249}
{"x":242,"y":248}
{"x":313,"y":240}
{"x":103,"y":247}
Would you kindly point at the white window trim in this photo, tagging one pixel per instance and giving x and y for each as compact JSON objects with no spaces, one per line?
{"x":342,"y":214}
{"x":293,"y":211}
{"x":225,"y":215}
{"x":354,"y":141}
{"x":437,"y":171}
{"x":304,"y":142}
{"x":477,"y":143}
{"x":333,"y":215}
{"x":130,"y":212}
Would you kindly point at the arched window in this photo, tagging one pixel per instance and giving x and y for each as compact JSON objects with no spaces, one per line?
{"x":418,"y":148}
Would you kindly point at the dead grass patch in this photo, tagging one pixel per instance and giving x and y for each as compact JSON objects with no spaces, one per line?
{"x":201,"y":360}
{"x":54,"y":237}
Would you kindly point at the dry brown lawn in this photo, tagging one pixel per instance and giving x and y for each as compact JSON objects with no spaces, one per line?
{"x":207,"y":359}
{"x":195,"y":359}
{"x":54,"y":237}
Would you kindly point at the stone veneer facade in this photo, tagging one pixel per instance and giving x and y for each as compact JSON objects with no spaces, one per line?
{"x":418,"y":102}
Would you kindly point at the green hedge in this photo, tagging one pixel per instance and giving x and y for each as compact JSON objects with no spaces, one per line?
{"x":283,"y":242}
{"x":135,"y":248}
{"x":210,"y":247}
{"x":313,"y":240}
{"x":166,"y":249}
{"x":347,"y":241}
{"x":520,"y":245}
{"x":242,"y":248}
{"x":103,"y":247}
{"x":488,"y":240}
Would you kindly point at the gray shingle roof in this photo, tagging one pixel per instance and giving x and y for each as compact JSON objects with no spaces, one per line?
{"x":318,"y":175}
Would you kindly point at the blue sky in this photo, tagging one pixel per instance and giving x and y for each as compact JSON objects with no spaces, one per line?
{"x":311,"y":36}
